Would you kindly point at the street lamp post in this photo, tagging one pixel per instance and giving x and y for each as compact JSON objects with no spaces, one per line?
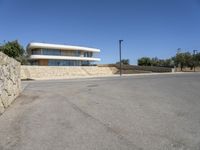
{"x":120,"y":47}
{"x":194,"y":52}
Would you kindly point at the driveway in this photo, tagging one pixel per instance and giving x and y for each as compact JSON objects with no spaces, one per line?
{"x":156,"y":112}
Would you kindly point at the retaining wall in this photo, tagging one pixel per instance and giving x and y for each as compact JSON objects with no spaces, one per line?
{"x":10,"y":83}
{"x":63,"y":72}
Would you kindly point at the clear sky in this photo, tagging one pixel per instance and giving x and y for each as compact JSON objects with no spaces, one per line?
{"x":148,"y":27}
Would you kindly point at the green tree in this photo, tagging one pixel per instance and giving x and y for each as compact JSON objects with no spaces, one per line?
{"x":168,"y":63}
{"x":15,"y":50}
{"x":144,"y":61}
{"x":23,"y":59}
{"x":124,"y":62}
{"x":184,"y":60}
{"x":197,"y":59}
{"x":188,"y":60}
{"x":12,"y":49}
{"x":155,"y":61}
{"x":179,"y":60}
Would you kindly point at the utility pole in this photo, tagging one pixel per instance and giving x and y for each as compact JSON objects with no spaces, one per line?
{"x":120,"y":56}
{"x":178,"y":52}
{"x":194,"y":61}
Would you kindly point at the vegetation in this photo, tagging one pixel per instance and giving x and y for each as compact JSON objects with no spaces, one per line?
{"x":197,"y":59}
{"x":146,"y":61}
{"x":181,"y":59}
{"x":124,"y":62}
{"x":15,"y":50}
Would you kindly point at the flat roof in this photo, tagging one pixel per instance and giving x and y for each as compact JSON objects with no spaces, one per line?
{"x":35,"y":45}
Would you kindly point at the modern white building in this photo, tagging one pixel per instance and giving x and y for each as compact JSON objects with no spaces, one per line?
{"x":45,"y":54}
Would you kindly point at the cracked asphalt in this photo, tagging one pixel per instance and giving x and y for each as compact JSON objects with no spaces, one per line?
{"x":154,"y":112}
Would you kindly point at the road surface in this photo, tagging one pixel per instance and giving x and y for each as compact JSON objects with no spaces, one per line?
{"x":156,"y":112}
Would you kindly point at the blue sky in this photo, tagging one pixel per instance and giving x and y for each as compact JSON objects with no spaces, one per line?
{"x":148,"y":27}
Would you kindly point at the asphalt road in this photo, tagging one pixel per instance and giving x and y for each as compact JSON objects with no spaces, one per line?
{"x":157,"y":112}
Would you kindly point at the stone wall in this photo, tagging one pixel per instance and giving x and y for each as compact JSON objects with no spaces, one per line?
{"x":10,"y":82}
{"x":64,"y":72}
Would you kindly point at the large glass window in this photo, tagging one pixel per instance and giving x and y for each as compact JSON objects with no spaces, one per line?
{"x":77,"y":53}
{"x":63,"y":63}
{"x":85,"y":63}
{"x":70,"y":53}
{"x":87,"y":54}
{"x":34,"y":62}
{"x":51,"y":52}
{"x":56,"y":52}
{"x":36,"y":52}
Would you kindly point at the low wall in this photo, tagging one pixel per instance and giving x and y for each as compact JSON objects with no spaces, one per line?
{"x":140,"y":68}
{"x":10,"y":83}
{"x":151,"y":68}
{"x":63,"y":72}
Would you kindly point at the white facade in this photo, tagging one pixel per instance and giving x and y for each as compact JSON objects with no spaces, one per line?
{"x":61,"y":55}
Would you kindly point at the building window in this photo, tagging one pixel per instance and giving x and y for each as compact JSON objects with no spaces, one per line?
{"x":70,"y":53}
{"x":34,"y":62}
{"x":85,"y":63}
{"x":36,"y":52}
{"x":63,"y":63}
{"x":53,"y":63}
{"x":51,"y":52}
{"x":77,"y":53}
{"x":87,"y":54}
